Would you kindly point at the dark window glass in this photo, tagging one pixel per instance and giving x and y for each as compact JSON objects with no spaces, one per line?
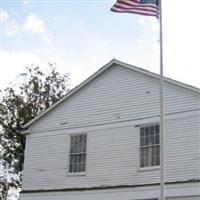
{"x":77,"y":160}
{"x":149,"y":146}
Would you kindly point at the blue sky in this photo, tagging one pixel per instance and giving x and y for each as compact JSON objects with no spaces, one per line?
{"x":83,"y":35}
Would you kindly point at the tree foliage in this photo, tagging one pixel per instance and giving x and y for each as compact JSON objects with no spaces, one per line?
{"x":32,"y":92}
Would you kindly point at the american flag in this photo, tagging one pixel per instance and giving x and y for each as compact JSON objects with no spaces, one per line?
{"x":141,"y":7}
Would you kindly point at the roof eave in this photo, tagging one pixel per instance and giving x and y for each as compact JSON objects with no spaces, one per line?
{"x":70,"y":93}
{"x":25,"y":131}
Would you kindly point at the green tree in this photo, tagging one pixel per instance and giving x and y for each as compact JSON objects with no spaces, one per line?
{"x":32,"y":92}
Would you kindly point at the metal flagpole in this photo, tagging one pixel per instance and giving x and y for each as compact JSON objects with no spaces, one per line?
{"x":162,"y":123}
{"x":150,"y":8}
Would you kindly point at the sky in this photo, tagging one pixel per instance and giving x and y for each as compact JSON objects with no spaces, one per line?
{"x":81,"y":36}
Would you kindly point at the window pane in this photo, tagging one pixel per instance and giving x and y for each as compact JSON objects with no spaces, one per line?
{"x":71,"y":159}
{"x":142,"y":162}
{"x":79,"y":158}
{"x":76,"y":159}
{"x":72,"y":140}
{"x":70,"y":168}
{"x":141,"y":141}
{"x":83,"y":167}
{"x":142,"y":158}
{"x":147,"y":136}
{"x":157,"y":160}
{"x":79,"y":168}
{"x":72,"y":148}
{"x":157,"y":129}
{"x":157,"y":150}
{"x":152,"y":130}
{"x":152,"y":135}
{"x":78,"y":149}
{"x":153,"y":156}
{"x":146,"y":131}
{"x":157,"y":139}
{"x":74,"y":167}
{"x":151,"y":139}
{"x":76,"y":139}
{"x":142,"y":132}
{"x":80,"y":139}
{"x":85,"y":139}
{"x":142,"y":153}
{"x":83,"y":148}
{"x":147,"y":140}
{"x":84,"y":158}
{"x":145,"y":158}
{"x":157,"y":155}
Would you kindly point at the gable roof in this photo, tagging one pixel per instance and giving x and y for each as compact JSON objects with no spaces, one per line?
{"x":100,"y":71}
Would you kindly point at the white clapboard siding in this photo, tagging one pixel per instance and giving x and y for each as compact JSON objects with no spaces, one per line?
{"x":107,"y":109}
{"x":117,"y":92}
{"x":112,"y":157}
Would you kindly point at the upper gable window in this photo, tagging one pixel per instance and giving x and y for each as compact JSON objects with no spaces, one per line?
{"x":149,"y":146}
{"x":77,"y":157}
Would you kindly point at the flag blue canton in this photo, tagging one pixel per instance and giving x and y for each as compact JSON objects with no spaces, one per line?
{"x":149,"y":2}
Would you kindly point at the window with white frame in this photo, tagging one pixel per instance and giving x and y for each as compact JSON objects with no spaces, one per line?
{"x":149,"y":146}
{"x":77,"y":156}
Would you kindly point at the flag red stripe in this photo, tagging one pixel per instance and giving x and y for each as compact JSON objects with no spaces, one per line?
{"x":136,"y":7}
{"x":149,"y":13}
{"x":134,"y":12}
{"x":118,"y":7}
{"x":132,"y":3}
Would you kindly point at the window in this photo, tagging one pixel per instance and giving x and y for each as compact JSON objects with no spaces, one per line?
{"x":149,"y":146}
{"x":77,"y":157}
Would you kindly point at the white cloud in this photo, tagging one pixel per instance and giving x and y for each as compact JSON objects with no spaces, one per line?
{"x":25,"y":2}
{"x":34,"y":24}
{"x":13,"y":63}
{"x":4,"y":15}
{"x":181,"y":41}
{"x":47,"y":39}
{"x":12,"y":28}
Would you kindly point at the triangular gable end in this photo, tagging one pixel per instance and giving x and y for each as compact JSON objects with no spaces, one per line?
{"x":98,"y":73}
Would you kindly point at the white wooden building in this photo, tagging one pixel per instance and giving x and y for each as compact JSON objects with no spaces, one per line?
{"x":101,"y":141}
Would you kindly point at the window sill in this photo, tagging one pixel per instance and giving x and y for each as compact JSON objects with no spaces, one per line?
{"x":76,"y":174}
{"x":143,"y":169}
